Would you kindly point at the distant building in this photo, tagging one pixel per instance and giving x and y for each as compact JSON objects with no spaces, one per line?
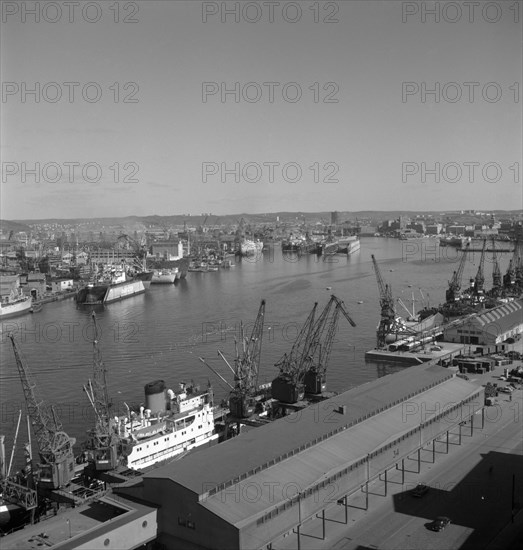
{"x":110,"y":256}
{"x":433,"y":229}
{"x":367,"y":231}
{"x":456,"y":229}
{"x":168,"y":250}
{"x":35,"y":285}
{"x":489,"y":328}
{"x":59,"y":285}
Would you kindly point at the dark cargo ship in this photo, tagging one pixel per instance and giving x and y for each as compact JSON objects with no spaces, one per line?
{"x":113,"y":286}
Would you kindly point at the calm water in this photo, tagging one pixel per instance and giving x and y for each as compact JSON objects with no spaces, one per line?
{"x":161,"y":334}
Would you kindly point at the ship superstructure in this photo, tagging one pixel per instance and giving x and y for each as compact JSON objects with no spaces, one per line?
{"x":170,"y":424}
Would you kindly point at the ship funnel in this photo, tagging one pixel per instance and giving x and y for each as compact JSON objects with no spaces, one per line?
{"x":155,"y":396}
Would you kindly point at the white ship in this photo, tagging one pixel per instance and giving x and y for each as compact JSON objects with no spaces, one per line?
{"x":170,"y":424}
{"x":15,"y":304}
{"x":250,"y":248}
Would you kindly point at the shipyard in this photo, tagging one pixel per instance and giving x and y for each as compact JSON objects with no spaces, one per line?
{"x":261,"y":275}
{"x":120,"y":470}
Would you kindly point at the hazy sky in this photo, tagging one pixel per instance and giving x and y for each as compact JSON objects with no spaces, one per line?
{"x":363,"y":133}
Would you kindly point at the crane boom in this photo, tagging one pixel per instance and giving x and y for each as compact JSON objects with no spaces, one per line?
{"x":388,"y":311}
{"x":103,"y":440}
{"x":479,"y":280}
{"x":55,"y":447}
{"x":248,"y":365}
{"x":289,"y":363}
{"x":326,"y":346}
{"x":452,"y":293}
{"x":496,"y":272}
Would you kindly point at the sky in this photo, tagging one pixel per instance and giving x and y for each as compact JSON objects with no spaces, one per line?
{"x":172,"y":107}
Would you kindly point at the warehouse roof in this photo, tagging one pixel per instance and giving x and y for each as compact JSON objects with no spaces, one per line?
{"x":265,"y":446}
{"x":501,"y":318}
{"x":254,"y":496}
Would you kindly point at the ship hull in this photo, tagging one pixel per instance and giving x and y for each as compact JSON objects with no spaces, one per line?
{"x":348,"y":246}
{"x":164,"y":278}
{"x":146,"y":277}
{"x":15,"y":309}
{"x":106,"y":294}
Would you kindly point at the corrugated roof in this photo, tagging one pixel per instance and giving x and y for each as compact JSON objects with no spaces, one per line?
{"x":254,"y":496}
{"x":502,"y":317}
{"x":240,"y":456}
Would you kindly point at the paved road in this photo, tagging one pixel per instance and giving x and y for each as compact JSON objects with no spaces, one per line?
{"x":477,"y":500}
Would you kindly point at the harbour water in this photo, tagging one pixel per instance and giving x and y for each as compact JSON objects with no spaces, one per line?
{"x":161,"y":334}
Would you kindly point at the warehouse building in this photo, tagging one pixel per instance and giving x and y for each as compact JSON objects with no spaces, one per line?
{"x":252,"y":490}
{"x":490,"y":328}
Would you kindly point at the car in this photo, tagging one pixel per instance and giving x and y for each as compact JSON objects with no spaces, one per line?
{"x":506,"y":389}
{"x":461,"y":375}
{"x":420,"y":490}
{"x":438,"y":524}
{"x":503,"y":378}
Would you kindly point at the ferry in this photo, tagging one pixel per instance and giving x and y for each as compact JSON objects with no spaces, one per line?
{"x":170,"y":424}
{"x":14,"y":305}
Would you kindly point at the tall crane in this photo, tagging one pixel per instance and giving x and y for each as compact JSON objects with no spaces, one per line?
{"x":515,"y":267}
{"x":317,"y":359}
{"x":247,"y":368}
{"x":388,"y":311}
{"x":479,"y":280}
{"x":139,"y":249}
{"x":452,"y":294}
{"x":306,"y":371}
{"x":242,"y":399}
{"x":287,"y":386}
{"x":103,"y":442}
{"x":55,"y":447}
{"x":496,"y":272}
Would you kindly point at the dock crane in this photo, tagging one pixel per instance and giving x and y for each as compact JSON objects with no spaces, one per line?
{"x":388,"y":311}
{"x":139,"y":249}
{"x":305,"y":372}
{"x":515,"y":268}
{"x":55,"y":447}
{"x":287,"y":386}
{"x":317,"y":359}
{"x":102,"y":445}
{"x":479,"y":280}
{"x":242,"y":398}
{"x":497,"y":281}
{"x":452,"y":295}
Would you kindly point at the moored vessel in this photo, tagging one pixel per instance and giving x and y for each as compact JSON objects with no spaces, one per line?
{"x":14,"y":305}
{"x":165,"y":276}
{"x":250,"y":248}
{"x":171,"y":423}
{"x":349,"y":245}
{"x":113,"y":285}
